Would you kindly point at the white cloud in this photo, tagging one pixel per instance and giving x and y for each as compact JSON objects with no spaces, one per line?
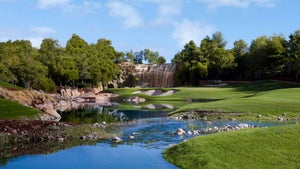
{"x":43,"y":30}
{"x":188,"y":30}
{"x":35,"y":34}
{"x":167,"y":10}
{"x":52,"y":3}
{"x":70,"y":6}
{"x":265,"y":3}
{"x":126,"y":12}
{"x":213,"y":4}
{"x":35,"y":41}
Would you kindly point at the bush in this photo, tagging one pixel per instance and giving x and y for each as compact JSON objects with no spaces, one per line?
{"x":45,"y":84}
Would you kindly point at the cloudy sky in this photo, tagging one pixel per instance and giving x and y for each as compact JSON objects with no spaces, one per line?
{"x":160,"y":25}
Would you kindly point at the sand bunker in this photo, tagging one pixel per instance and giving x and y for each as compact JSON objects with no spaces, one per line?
{"x":155,"y":92}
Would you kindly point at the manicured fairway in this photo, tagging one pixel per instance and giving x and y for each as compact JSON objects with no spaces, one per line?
{"x":267,"y":148}
{"x":268,"y":98}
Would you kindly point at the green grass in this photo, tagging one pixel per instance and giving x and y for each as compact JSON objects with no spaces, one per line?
{"x":12,"y":110}
{"x":267,"y":148}
{"x":265,"y":98}
{"x":268,"y":98}
{"x":10,"y":86}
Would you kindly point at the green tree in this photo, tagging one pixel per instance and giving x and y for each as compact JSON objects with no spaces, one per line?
{"x":20,"y":58}
{"x":78,"y":49}
{"x":293,"y":60}
{"x":67,"y":70}
{"x":266,"y":57}
{"x":239,"y":51}
{"x":101,"y":61}
{"x":161,"y":60}
{"x":129,"y":56}
{"x":219,"y":59}
{"x":191,"y":66}
{"x":49,"y":53}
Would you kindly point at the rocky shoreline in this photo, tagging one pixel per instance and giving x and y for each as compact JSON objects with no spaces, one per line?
{"x":20,"y":137}
{"x":51,"y":104}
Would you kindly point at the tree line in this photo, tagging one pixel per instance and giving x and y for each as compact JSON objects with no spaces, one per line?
{"x":265,"y":58}
{"x":78,"y":64}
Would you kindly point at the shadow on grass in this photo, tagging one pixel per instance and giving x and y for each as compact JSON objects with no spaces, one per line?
{"x":263,"y":85}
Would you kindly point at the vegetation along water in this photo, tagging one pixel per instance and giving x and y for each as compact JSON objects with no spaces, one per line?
{"x":91,"y":96}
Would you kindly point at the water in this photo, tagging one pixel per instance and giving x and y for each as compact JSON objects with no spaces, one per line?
{"x":152,"y":136}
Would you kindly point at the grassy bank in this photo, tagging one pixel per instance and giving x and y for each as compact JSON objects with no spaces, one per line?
{"x":268,"y":148}
{"x":12,"y":110}
{"x":268,"y":98}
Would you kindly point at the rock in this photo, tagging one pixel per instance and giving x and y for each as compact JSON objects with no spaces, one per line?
{"x":284,"y":114}
{"x":258,"y":116}
{"x":60,"y":139}
{"x":135,"y":133}
{"x":280,"y":119}
{"x":196,"y":132}
{"x":208,"y":122}
{"x":14,"y":131}
{"x":189,"y":133}
{"x":116,"y":139}
{"x":83,"y":137}
{"x":243,"y":125}
{"x":180,"y":132}
{"x":232,"y":119}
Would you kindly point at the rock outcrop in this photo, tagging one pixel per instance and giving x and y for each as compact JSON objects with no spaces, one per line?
{"x":36,"y":99}
{"x":51,"y":103}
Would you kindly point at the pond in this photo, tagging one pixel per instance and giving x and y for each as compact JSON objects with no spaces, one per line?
{"x":153,"y":132}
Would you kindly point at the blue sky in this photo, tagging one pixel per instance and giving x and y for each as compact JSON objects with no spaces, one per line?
{"x":160,"y":25}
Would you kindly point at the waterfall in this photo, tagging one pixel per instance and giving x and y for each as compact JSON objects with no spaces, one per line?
{"x":154,"y":75}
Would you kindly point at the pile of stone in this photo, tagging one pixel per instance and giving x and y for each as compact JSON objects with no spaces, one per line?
{"x":214,"y":129}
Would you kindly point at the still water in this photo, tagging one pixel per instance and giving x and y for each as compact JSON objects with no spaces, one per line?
{"x":153,"y":133}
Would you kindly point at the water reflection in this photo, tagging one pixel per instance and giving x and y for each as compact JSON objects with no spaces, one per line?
{"x":98,"y":114}
{"x":92,"y":115}
{"x":152,"y":130}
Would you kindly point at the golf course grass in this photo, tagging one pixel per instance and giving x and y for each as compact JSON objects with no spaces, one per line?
{"x":10,"y":110}
{"x":270,"y":99}
{"x":268,"y":148}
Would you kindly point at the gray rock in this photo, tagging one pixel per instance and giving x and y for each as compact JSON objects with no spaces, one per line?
{"x":116,"y":139}
{"x":243,"y":125}
{"x":83,"y":137}
{"x":280,"y":119}
{"x":60,"y":139}
{"x":180,"y":132}
{"x":189,"y":133}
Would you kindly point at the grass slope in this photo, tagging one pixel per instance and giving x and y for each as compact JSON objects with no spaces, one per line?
{"x":10,"y":86}
{"x":268,"y":148}
{"x":263,"y":97}
{"x":12,"y":110}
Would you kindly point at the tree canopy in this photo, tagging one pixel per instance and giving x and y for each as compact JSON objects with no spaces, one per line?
{"x":265,"y":58}
{"x":80,"y":64}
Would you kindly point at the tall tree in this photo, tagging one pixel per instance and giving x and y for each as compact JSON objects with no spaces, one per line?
{"x":293,"y":62}
{"x":239,"y":50}
{"x":49,"y":55}
{"x":191,"y":66}
{"x":78,"y":49}
{"x":266,"y":57}
{"x":101,"y":61}
{"x":219,"y":59}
